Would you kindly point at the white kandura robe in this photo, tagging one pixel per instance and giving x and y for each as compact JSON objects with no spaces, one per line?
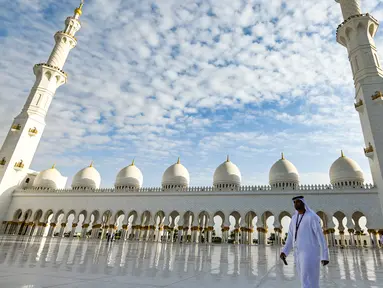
{"x":309,"y":250}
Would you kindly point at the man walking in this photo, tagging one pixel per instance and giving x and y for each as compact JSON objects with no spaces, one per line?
{"x":310,"y":248}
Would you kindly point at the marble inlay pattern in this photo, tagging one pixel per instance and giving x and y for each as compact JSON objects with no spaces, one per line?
{"x":62,"y":262}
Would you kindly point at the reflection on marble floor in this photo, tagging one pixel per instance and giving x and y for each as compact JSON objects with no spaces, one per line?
{"x":53,"y":262}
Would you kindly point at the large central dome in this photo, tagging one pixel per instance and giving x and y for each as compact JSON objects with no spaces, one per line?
{"x":129,"y":177}
{"x":176,"y":176}
{"x":346,"y":172}
{"x":227,"y":174}
{"x":87,"y":178}
{"x":283,"y":174}
{"x":48,"y":179}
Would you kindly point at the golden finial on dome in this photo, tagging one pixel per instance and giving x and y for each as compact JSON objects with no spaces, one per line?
{"x":179,"y":160}
{"x":282,"y":156}
{"x":54,"y":166}
{"x":341,"y":153}
{"x":91,"y":164}
{"x":132,"y":162}
{"x":78,"y":10}
{"x":227,"y":158}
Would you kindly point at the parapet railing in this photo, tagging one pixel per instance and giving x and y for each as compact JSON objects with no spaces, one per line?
{"x":229,"y":188}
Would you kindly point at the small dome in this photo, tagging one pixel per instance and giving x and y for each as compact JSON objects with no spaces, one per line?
{"x":175,"y":176}
{"x":48,"y":179}
{"x":227,"y":174}
{"x":129,"y":177}
{"x":283,"y":174}
{"x":87,"y":178}
{"x":346,"y":172}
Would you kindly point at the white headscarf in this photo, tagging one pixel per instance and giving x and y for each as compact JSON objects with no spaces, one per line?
{"x":307,"y":208}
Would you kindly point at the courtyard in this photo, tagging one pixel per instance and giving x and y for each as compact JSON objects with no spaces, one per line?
{"x":27,"y":262}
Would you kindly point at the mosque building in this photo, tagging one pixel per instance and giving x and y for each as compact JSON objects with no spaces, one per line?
{"x":38,"y":204}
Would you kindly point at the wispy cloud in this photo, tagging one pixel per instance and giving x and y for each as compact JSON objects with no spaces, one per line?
{"x":199,"y":79}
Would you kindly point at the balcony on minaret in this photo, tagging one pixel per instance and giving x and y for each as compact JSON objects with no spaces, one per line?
{"x":3,"y":162}
{"x":377,"y":97}
{"x":16,"y":127}
{"x":19,"y":165}
{"x":359,"y":106}
{"x":33,"y":132}
{"x":369,"y":151}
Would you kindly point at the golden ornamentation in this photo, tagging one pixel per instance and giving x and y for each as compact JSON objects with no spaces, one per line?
{"x":79,"y":9}
{"x":74,"y":225}
{"x":96,"y":226}
{"x":282,"y":156}
{"x":369,"y":149}
{"x":227,"y":158}
{"x":350,"y":230}
{"x":53,"y":224}
{"x":179,"y":160}
{"x":341,"y":153}
{"x":19,"y":164}
{"x":91,"y":164}
{"x":16,"y":127}
{"x":54,"y":166}
{"x":33,"y":131}
{"x":3,"y":161}
{"x":358,"y":104}
{"x":378,"y":94}
{"x":85,"y":225}
{"x":63,"y":224}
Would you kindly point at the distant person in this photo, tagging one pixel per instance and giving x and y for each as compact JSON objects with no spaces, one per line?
{"x":310,"y":248}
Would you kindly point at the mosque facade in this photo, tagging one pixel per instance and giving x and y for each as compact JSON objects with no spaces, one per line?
{"x":38,"y":204}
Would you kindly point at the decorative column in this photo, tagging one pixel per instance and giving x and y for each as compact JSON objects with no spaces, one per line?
{"x":84,"y":230}
{"x":358,"y":239}
{"x":96,"y":231}
{"x":225,"y":234}
{"x":278,"y":233}
{"x":124,"y":232}
{"x":74,"y":226}
{"x":341,"y":239}
{"x":373,"y":237}
{"x":261,"y":235}
{"x":51,"y":229}
{"x":29,"y":228}
{"x":352,"y":237}
{"x":210,"y":230}
{"x":185,"y":234}
{"x":151,"y":233}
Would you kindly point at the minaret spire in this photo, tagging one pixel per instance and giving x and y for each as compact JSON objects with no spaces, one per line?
{"x":357,"y":33}
{"x":27,"y":128}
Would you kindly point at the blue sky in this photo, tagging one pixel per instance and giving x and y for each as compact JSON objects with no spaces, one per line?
{"x":155,"y":80}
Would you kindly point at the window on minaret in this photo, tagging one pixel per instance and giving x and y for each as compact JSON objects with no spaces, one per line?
{"x":356,"y":63}
{"x":377,"y":60}
{"x":38,"y":100}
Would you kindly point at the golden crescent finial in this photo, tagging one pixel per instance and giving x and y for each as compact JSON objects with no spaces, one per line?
{"x":79,"y":9}
{"x":282,"y":156}
{"x":132,"y":162}
{"x":91,"y":164}
{"x":179,"y":160}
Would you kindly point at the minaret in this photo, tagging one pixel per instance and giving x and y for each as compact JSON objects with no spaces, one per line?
{"x":357,"y":33}
{"x":25,"y":133}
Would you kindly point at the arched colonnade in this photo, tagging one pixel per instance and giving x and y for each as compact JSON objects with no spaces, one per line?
{"x":184,"y":227}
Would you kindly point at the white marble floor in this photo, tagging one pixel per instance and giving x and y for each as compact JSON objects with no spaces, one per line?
{"x":53,"y":262}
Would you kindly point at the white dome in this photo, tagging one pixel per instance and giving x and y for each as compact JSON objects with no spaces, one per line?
{"x":87,"y":178}
{"x":227,"y":173}
{"x":176,"y":176}
{"x":345,"y":170}
{"x":283,"y":171}
{"x":130,"y":177}
{"x":48,"y":179}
